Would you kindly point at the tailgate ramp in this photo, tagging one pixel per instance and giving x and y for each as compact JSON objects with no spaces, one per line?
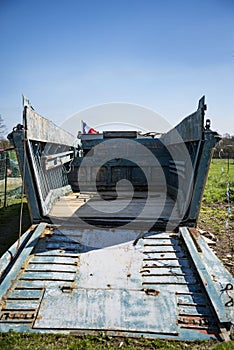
{"x":110,"y":280}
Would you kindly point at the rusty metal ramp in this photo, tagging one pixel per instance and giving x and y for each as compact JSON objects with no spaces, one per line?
{"x":103,"y":309}
{"x":122,"y":282}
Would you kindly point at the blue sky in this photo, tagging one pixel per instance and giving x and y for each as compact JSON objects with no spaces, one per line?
{"x":66,"y":56}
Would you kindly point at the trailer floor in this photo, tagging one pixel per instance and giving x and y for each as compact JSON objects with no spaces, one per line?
{"x":113,"y":280}
{"x":140,"y":211}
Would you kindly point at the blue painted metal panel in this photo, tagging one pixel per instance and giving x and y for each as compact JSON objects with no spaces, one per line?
{"x":16,"y":265}
{"x":222,"y":280}
{"x":9,"y":255}
{"x":205,"y":277}
{"x":115,"y":297}
{"x":124,"y":310}
{"x":19,"y":142}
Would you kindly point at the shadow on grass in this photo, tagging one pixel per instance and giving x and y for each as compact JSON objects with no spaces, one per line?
{"x":10,"y":223}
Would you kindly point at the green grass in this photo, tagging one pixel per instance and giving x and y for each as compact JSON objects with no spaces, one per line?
{"x":12,"y":155}
{"x":214,"y":209}
{"x":9,"y":223}
{"x":15,"y":341}
{"x":214,"y":217}
{"x":215,"y":190}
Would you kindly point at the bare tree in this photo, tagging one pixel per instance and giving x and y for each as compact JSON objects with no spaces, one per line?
{"x":4,"y":143}
{"x":225,"y":148}
{"x":2,"y":128}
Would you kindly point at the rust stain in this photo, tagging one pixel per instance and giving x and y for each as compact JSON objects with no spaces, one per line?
{"x":47,"y":232}
{"x":67,"y":289}
{"x":195,"y":235}
{"x":151,"y":292}
{"x":194,"y":321}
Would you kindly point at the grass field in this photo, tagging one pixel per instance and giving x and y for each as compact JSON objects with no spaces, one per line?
{"x":16,"y":341}
{"x":9,"y":223}
{"x":221,"y":173}
{"x":216,"y":214}
{"x":213,"y":216}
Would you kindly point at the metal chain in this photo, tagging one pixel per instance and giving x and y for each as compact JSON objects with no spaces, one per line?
{"x":227,"y":194}
{"x":22,"y":195}
{"x":229,"y":211}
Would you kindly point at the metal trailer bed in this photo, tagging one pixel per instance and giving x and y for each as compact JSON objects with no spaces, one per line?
{"x":79,"y":270}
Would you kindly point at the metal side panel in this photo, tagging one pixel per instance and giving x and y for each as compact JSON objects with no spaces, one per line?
{"x":16,"y":264}
{"x":190,"y":129}
{"x":8,"y":256}
{"x":26,"y":172}
{"x":216,"y":280}
{"x":47,"y":149}
{"x":48,"y":189}
{"x":44,"y":130}
{"x":202,"y":173}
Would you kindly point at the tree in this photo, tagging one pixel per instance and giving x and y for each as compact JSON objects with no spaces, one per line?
{"x":225,"y":148}
{"x":2,"y":128}
{"x":4,"y":143}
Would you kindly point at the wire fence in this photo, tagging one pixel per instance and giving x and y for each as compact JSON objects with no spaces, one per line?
{"x":10,"y":178}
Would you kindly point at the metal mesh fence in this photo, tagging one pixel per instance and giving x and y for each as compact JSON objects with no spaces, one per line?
{"x":10,"y":178}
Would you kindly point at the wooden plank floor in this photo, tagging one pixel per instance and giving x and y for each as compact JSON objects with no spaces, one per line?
{"x":73,"y":207}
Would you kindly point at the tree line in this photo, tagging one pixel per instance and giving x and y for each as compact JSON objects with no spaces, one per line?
{"x":3,"y":142}
{"x":225,"y":147}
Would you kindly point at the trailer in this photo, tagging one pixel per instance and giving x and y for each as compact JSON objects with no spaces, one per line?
{"x":113,"y":245}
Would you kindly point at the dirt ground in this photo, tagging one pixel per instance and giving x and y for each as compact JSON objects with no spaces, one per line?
{"x":216,"y":224}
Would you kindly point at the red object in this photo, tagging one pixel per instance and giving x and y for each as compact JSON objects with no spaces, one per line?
{"x":87,"y":129}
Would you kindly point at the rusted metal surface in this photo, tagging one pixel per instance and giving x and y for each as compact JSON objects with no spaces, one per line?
{"x":128,"y":310}
{"x":88,"y":270}
{"x":103,"y":281}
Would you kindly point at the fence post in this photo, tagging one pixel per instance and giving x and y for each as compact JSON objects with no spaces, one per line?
{"x":5,"y":189}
